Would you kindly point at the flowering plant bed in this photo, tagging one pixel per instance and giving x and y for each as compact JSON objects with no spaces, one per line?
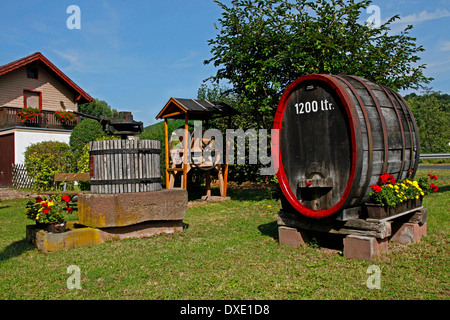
{"x":28,"y":114}
{"x":49,"y":213}
{"x":64,"y":116}
{"x":390,"y":197}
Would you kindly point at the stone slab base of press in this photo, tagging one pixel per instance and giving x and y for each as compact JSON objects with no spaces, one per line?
{"x":77,"y":236}
{"x":126,"y":209}
{"x":364,"y":240}
{"x":215,"y":198}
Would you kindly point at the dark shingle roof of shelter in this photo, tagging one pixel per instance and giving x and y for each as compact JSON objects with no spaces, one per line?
{"x":196,"y":109}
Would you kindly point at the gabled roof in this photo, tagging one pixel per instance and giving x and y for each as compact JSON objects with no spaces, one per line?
{"x":39,"y":58}
{"x":176,"y":108}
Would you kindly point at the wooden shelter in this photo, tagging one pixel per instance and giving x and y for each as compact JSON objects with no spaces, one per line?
{"x":203,"y":110}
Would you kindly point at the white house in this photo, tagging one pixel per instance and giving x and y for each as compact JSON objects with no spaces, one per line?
{"x":35,"y":82}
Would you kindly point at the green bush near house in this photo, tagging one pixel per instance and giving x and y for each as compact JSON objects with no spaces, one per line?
{"x":44,"y":159}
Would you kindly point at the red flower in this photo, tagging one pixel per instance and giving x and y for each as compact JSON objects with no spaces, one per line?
{"x":309,"y":183}
{"x":69,"y":209}
{"x":38,"y":199}
{"x":46,"y":210}
{"x":387,"y":178}
{"x":376,"y":188}
{"x":65,"y":199}
{"x":432,"y":176}
{"x":434,"y":187}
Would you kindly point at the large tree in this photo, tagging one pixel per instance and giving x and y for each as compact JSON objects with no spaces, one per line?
{"x":98,"y":108}
{"x":432,"y":113}
{"x":263,"y":45}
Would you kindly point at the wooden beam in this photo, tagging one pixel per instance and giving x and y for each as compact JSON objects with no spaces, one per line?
{"x":71,"y":177}
{"x":372,"y":228}
{"x":175,"y":169}
{"x":172,"y":114}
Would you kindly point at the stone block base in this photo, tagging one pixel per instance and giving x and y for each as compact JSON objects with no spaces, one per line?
{"x":292,"y":237}
{"x":364,"y":248}
{"x":77,"y":236}
{"x":408,"y":232}
{"x":215,"y":198}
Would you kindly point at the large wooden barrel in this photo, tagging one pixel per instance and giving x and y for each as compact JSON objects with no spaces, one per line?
{"x":123,"y":166}
{"x":338,"y":134}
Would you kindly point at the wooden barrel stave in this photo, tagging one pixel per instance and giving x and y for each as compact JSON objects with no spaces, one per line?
{"x":125,"y":166}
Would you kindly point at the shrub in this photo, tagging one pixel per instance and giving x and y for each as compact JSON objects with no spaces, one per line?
{"x":86,"y":131}
{"x":44,"y":159}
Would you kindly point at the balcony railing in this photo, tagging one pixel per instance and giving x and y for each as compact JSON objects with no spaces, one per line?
{"x":9,"y":117}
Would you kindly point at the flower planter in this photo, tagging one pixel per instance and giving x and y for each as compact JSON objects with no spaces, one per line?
{"x":377,"y":211}
{"x":415,"y":203}
{"x":54,"y":227}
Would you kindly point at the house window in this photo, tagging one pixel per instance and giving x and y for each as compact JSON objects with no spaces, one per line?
{"x":32,"y":99}
{"x":32,"y":72}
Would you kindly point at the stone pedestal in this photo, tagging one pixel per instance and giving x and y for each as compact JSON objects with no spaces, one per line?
{"x":292,"y":237}
{"x":408,"y":232}
{"x":125,"y":209}
{"x":364,"y":248}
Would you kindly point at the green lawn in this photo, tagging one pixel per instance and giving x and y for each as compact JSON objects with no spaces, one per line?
{"x":229,"y":251}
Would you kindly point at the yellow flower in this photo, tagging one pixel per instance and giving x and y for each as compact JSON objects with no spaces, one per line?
{"x":417,"y":197}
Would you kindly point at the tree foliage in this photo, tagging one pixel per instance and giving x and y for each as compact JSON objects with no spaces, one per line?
{"x":98,"y":108}
{"x":263,"y":45}
{"x":432,"y":113}
{"x":86,"y":131}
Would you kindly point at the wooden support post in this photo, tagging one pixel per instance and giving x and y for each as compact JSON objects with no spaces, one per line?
{"x":225,"y":173}
{"x":221,"y":181}
{"x":185,"y":152}
{"x":166,"y":149}
{"x":208,"y":183}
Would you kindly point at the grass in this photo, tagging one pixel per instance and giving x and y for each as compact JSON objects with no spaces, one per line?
{"x":229,"y":250}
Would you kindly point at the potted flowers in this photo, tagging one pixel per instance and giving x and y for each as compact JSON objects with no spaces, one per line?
{"x":28,"y":114}
{"x":390,"y":197}
{"x":64,"y":116}
{"x":48,"y":213}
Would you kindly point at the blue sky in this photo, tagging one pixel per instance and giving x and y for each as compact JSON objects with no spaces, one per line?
{"x":137,"y":54}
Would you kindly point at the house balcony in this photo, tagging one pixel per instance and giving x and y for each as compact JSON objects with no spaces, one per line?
{"x":9,"y":118}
